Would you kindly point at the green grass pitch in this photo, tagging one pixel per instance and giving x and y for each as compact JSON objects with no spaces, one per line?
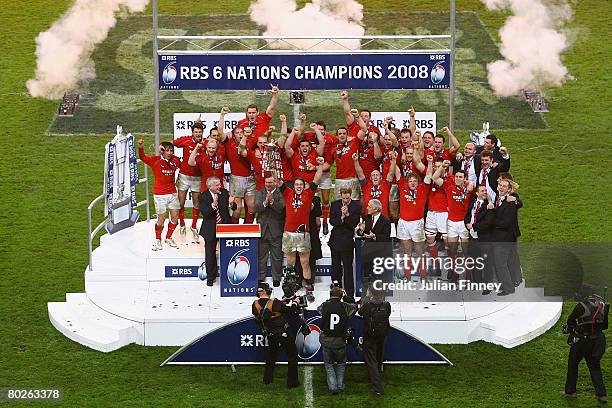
{"x":53,"y":168}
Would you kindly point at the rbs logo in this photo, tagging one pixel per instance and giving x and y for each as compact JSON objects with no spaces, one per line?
{"x":237,"y":243}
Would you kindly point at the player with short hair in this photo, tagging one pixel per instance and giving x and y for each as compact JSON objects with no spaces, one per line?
{"x":304,"y":161}
{"x":210,"y":162}
{"x":325,"y":184}
{"x":189,"y":177}
{"x":410,"y":227}
{"x":377,"y":188}
{"x":242,"y":179}
{"x":260,"y":123}
{"x":458,"y":193}
{"x":165,"y":196}
{"x":298,"y":197}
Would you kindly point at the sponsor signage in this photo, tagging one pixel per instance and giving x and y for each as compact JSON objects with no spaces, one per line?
{"x":304,"y":71}
{"x":181,"y":271}
{"x":239,"y":266}
{"x":241,"y":342}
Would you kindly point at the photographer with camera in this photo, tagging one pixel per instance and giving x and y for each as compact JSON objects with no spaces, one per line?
{"x":270,"y":314}
{"x":375,"y":311}
{"x":335,"y":315}
{"x":585,"y":326}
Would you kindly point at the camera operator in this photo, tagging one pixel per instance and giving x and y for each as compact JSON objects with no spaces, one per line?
{"x":270,"y":315}
{"x":335,"y":315}
{"x":375,"y":311}
{"x":585,"y":327}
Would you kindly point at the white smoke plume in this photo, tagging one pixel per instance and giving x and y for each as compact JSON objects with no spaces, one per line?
{"x":532,"y":43}
{"x":63,"y":52}
{"x":318,"y":18}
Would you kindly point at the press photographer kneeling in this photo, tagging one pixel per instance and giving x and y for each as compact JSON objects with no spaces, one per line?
{"x":335,"y":315}
{"x":271,"y":316}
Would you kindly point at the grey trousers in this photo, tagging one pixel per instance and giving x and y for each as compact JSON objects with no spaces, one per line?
{"x":270,"y":248}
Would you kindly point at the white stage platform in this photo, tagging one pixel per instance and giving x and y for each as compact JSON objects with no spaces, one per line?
{"x":128,"y":299}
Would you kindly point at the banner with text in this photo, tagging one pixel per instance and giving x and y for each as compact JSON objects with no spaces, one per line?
{"x":304,"y":71}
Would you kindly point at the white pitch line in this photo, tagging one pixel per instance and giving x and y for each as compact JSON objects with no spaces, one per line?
{"x":308,"y":394}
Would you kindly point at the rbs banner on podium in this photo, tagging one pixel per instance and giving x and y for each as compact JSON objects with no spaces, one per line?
{"x":238,"y":259}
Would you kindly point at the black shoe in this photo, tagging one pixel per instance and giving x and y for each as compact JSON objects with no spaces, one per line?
{"x":485,"y":292}
{"x":518,"y":283}
{"x":568,"y":394}
{"x":603,"y":399}
{"x":325,"y":228}
{"x":276,"y":283}
{"x":209,"y":283}
{"x":504,"y":293}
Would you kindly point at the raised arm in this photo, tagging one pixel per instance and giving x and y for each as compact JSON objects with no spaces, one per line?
{"x":346,"y":107}
{"x":437,"y":175}
{"x":194,"y":154}
{"x":455,"y":145}
{"x":417,"y":159}
{"x":288,"y":149}
{"x":392,"y":166}
{"x":358,"y":169}
{"x":302,"y":123}
{"x":242,"y":146}
{"x":273,"y":102}
{"x":319,"y":173}
{"x":427,"y":179}
{"x":141,"y":153}
{"x":221,"y":124}
{"x":412,"y":124}
{"x":283,"y":130}
{"x":377,"y":151}
{"x":320,"y":139}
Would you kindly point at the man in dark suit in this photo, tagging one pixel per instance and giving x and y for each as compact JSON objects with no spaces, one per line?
{"x":500,"y":154}
{"x":375,"y":229}
{"x":344,"y":217}
{"x":214,"y":206}
{"x":270,"y":209}
{"x":489,"y":172}
{"x":505,"y":234}
{"x":479,"y":222}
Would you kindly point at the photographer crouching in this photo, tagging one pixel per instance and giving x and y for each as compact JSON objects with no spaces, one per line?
{"x":270,"y":314}
{"x":585,"y":326}
{"x":335,"y":332}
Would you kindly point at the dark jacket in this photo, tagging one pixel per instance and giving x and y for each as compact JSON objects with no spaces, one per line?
{"x":208,"y":230}
{"x":343,"y":231}
{"x":382,"y":229}
{"x":315,"y":241}
{"x":484,"y":222}
{"x":271,"y":218}
{"x":506,"y":227}
{"x":366,"y":309}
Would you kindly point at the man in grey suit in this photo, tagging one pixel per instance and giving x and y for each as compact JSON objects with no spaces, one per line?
{"x":270,"y":209}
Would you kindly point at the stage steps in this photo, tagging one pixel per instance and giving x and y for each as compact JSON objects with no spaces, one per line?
{"x":519,"y":322}
{"x":82,"y":321}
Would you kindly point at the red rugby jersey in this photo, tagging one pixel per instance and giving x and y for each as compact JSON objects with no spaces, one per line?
{"x":412,"y":202}
{"x":163,"y":172}
{"x":188,"y":144}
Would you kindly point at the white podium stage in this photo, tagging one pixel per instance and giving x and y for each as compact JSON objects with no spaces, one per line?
{"x":136,"y":295}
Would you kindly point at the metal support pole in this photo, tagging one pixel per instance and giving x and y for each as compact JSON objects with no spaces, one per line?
{"x":156,"y":75}
{"x":296,"y":116}
{"x":451,"y":108}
